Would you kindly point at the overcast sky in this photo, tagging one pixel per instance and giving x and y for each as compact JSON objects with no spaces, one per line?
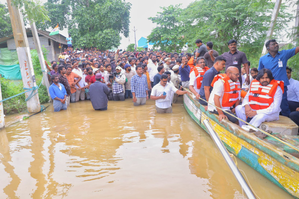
{"x":140,"y":12}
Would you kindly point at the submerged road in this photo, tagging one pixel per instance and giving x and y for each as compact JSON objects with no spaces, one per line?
{"x":125,"y":152}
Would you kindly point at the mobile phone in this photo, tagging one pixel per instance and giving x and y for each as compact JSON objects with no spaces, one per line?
{"x":164,"y":93}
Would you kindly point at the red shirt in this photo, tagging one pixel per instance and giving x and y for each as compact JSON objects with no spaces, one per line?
{"x":91,"y":79}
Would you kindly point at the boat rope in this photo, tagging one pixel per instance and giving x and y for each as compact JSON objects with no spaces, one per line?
{"x":274,"y":137}
{"x":233,"y":157}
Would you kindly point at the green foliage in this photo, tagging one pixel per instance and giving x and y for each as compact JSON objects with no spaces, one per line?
{"x":246,"y":21}
{"x":11,"y":88}
{"x":97,"y":23}
{"x":32,"y":10}
{"x":168,"y":35}
{"x":5,"y":23}
{"x":131,"y":48}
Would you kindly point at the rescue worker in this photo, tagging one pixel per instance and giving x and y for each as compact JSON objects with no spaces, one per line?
{"x":226,"y":93}
{"x":262,"y":102}
{"x":196,"y":76}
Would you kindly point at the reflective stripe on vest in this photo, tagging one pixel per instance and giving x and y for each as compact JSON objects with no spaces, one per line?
{"x":199,"y":75}
{"x":261,"y":97}
{"x":231,"y":90}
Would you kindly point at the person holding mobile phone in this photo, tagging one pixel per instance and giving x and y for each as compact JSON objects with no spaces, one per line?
{"x":162,"y":94}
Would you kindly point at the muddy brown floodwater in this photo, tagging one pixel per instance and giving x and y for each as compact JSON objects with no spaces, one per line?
{"x":125,"y":152}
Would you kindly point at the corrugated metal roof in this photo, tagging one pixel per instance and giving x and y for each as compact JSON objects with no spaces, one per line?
{"x":59,"y":38}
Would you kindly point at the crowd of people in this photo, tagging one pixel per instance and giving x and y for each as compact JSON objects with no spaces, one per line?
{"x":242,"y":92}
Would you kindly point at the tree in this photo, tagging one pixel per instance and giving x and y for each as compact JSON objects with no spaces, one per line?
{"x":131,"y":47}
{"x":32,"y":10}
{"x":168,"y":35}
{"x":246,"y":21}
{"x":5,"y":23}
{"x":97,"y":23}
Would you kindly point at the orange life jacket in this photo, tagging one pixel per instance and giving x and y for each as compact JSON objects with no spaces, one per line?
{"x":201,"y":72}
{"x":261,"y":97}
{"x":231,"y":90}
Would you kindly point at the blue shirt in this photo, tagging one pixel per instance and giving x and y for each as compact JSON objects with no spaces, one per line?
{"x":271,"y":63}
{"x":69,"y":40}
{"x":207,"y":80}
{"x":139,"y":86}
{"x":56,"y":92}
{"x":157,"y":78}
{"x":184,"y":72}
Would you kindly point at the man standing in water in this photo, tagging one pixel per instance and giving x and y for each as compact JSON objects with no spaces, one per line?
{"x":98,"y":92}
{"x":139,"y":87}
{"x":58,"y":94}
{"x":276,"y":62}
{"x":162,"y":93}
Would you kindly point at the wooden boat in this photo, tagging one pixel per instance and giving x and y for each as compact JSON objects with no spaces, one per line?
{"x":270,"y":157}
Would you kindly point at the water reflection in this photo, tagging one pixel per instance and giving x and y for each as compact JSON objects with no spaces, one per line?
{"x":126,"y":152}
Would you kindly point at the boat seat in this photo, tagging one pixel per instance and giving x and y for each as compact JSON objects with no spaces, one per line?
{"x":283,"y":126}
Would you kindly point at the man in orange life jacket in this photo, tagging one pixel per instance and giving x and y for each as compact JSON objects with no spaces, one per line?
{"x":262,"y":102}
{"x":196,"y":76}
{"x":225,"y":94}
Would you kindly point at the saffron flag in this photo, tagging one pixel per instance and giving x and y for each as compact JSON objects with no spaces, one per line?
{"x":55,"y":31}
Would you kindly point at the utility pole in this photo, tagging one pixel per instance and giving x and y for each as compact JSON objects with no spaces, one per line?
{"x":40,"y":55}
{"x":24,"y":56}
{"x":135,"y":38}
{"x":272,"y":24}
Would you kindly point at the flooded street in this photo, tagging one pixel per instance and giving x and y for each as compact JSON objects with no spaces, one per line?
{"x":125,"y":152}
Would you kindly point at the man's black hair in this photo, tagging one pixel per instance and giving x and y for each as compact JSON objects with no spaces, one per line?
{"x":188,"y":54}
{"x":232,"y":41}
{"x":88,"y":69}
{"x":262,"y":72}
{"x":139,"y":66}
{"x":220,"y":58}
{"x":107,"y":65}
{"x":179,"y":60}
{"x":200,"y":58}
{"x":198,"y":41}
{"x":53,"y":62}
{"x":288,"y":68}
{"x":210,"y":44}
{"x":53,"y":77}
{"x":160,"y":68}
{"x":268,"y":42}
{"x":60,"y":69}
{"x":54,"y":65}
{"x":167,"y":73}
{"x":255,"y":70}
{"x":164,"y":76}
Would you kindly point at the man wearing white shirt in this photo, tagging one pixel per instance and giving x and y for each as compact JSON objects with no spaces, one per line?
{"x":162,"y":94}
{"x":293,"y":91}
{"x":152,"y":68}
{"x":225,"y":94}
{"x":262,"y":102}
{"x":80,"y":91}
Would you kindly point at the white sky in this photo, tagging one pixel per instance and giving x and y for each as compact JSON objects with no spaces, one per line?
{"x":141,"y":10}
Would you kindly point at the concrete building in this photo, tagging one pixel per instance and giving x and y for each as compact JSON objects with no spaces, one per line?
{"x":51,"y":43}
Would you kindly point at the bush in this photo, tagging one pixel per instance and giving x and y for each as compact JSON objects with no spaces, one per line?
{"x":9,"y":89}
